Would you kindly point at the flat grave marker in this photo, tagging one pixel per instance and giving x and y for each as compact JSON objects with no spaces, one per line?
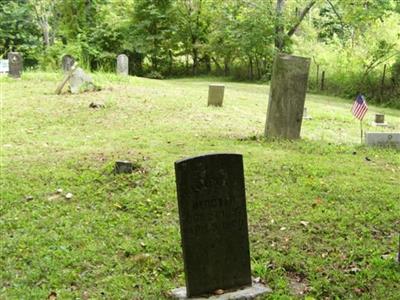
{"x":385,"y":139}
{"x":213,"y":223}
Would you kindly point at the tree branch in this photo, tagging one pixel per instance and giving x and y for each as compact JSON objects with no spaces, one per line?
{"x":301,"y":17}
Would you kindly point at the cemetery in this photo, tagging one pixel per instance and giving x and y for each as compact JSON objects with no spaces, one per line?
{"x":117,"y":184}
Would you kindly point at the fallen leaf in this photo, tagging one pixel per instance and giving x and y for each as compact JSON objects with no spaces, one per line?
{"x":304,"y":223}
{"x":68,"y":196}
{"x":52,"y":296}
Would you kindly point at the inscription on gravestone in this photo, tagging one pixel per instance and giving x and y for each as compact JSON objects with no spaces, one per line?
{"x":15,"y":64}
{"x":213,"y":223}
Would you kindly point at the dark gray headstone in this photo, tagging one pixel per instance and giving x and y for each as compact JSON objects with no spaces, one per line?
{"x":123,"y":166}
{"x":287,"y":96}
{"x":15,"y":64}
{"x":67,"y":62}
{"x":213,"y":223}
{"x":122,"y":64}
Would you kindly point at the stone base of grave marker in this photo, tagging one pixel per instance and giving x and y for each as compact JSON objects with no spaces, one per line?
{"x":251,"y":292}
{"x":216,"y":94}
{"x":383,"y":139}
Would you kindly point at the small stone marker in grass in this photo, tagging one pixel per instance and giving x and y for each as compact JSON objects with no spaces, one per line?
{"x":123,"y":167}
{"x":385,"y":139}
{"x":213,"y":224}
{"x":15,"y":64}
{"x":379,"y":120}
{"x":4,"y":66}
{"x":122,"y":64}
{"x":67,"y":63}
{"x":287,"y":96}
{"x":305,"y":114}
{"x":216,"y":94}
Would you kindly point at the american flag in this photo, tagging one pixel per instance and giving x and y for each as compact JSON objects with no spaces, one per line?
{"x":360,"y":107}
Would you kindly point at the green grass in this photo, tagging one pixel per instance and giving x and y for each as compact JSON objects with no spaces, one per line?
{"x":118,"y":237}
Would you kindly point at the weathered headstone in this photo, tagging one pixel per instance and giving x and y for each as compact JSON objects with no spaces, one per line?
{"x":67,"y":63}
{"x":213,"y":223}
{"x":385,"y":139}
{"x":15,"y":64}
{"x":122,"y":64}
{"x":78,"y":80}
{"x":4,"y":68}
{"x":123,"y":166}
{"x":379,"y":120}
{"x":305,"y":114}
{"x":216,"y":94}
{"x":287,"y":96}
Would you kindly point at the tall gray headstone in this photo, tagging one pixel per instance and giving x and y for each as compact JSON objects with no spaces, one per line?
{"x":122,"y":64}
{"x":287,"y":96}
{"x":15,"y":64}
{"x":67,"y":62}
{"x":213,"y":223}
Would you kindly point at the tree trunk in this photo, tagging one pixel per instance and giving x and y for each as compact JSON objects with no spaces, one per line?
{"x":279,"y":25}
{"x":251,"y":68}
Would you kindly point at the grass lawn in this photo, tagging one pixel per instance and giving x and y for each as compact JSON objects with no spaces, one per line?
{"x":323,"y":219}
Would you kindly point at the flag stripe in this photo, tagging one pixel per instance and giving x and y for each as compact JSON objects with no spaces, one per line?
{"x":360,"y":107}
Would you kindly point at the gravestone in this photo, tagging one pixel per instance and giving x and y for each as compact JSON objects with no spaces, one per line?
{"x":379,"y":120}
{"x":79,"y":80}
{"x":385,"y":139}
{"x":67,"y":63}
{"x":216,"y":94}
{"x":15,"y":64}
{"x":287,"y":96}
{"x":305,"y":114}
{"x":4,"y":68}
{"x":213,"y":223}
{"x":123,"y":167}
{"x":122,"y":64}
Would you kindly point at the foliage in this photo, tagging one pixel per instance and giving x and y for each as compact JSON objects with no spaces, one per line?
{"x":235,"y":38}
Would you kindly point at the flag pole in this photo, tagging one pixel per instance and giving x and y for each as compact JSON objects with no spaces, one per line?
{"x":361,"y":131}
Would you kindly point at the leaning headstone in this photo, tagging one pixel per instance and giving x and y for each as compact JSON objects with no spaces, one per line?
{"x":123,"y":167}
{"x":122,"y":64}
{"x":213,"y":223}
{"x":383,"y":139}
{"x":379,"y":120}
{"x":4,"y":67}
{"x":216,"y":94}
{"x":67,"y":63}
{"x":305,"y":114}
{"x":15,"y":64}
{"x":79,"y":80}
{"x":287,"y":96}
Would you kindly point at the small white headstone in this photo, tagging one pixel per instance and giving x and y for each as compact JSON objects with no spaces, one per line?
{"x":4,"y":68}
{"x":385,"y":139}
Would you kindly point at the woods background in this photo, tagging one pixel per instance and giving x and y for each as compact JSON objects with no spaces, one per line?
{"x":354,"y":45}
